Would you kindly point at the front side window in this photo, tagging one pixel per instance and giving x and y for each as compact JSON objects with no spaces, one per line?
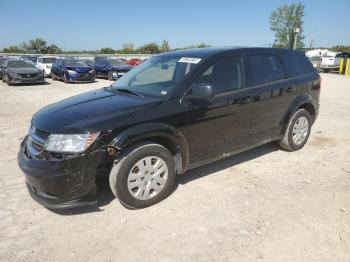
{"x":265,"y":68}
{"x":224,"y":76}
{"x":157,"y":76}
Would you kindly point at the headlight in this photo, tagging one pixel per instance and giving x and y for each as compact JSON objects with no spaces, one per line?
{"x":71,"y":72}
{"x":14,"y":74}
{"x":70,"y":143}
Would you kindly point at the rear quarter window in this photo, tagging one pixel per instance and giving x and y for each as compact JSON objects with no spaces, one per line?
{"x":296,"y":65}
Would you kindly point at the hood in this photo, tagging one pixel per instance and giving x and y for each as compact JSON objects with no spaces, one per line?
{"x":122,"y":68}
{"x":71,"y":113}
{"x":24,"y":70}
{"x":79,"y":69}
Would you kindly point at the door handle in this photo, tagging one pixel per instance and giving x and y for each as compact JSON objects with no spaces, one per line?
{"x":244,"y":100}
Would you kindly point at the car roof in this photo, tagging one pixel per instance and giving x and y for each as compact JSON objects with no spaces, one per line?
{"x":211,"y":51}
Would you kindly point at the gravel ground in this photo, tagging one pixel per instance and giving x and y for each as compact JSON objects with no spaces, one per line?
{"x":261,"y":205}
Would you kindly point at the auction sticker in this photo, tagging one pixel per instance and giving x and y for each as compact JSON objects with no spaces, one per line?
{"x":191,"y":60}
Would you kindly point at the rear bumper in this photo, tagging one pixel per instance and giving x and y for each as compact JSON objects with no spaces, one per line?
{"x":60,"y":183}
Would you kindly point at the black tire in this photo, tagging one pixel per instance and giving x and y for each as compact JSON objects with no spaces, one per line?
{"x":53,"y":77}
{"x":110,"y":75}
{"x":8,"y":81}
{"x":325,"y":70}
{"x":287,"y":142}
{"x":65,"y":79}
{"x":120,"y":171}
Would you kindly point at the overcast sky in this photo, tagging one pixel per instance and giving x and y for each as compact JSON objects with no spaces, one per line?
{"x":89,"y":25}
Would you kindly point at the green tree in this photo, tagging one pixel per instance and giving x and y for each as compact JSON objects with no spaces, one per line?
{"x":340,"y":48}
{"x":53,"y":49}
{"x":12,"y":49}
{"x":128,"y":48}
{"x":283,"y":21}
{"x":151,"y":48}
{"x":165,"y":46}
{"x":107,"y":50}
{"x":37,"y":45}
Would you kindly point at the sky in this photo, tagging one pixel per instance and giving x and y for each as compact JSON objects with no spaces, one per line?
{"x":91,"y":25}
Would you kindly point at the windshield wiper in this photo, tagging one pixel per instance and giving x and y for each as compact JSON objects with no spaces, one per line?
{"x":124,"y":90}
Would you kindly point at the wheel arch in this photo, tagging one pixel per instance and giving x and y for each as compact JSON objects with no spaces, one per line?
{"x":301,"y":102}
{"x":163,"y":134}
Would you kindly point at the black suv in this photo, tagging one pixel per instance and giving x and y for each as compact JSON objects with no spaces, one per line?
{"x":174,"y":112}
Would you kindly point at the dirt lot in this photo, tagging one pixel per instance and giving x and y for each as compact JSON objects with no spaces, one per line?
{"x":265,"y":204}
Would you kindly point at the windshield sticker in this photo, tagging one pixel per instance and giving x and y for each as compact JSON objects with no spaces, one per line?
{"x":191,"y":60}
{"x":164,"y":92}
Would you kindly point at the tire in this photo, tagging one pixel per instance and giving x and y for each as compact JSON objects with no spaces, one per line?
{"x":65,"y":79}
{"x":53,"y":77}
{"x":8,"y":81}
{"x":119,"y":179}
{"x":325,"y":70}
{"x":110,"y":76}
{"x":290,"y":140}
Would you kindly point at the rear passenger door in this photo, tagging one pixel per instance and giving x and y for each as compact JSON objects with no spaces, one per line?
{"x":220,"y":124}
{"x":272,"y":94}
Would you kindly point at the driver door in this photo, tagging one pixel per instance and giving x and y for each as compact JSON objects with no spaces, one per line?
{"x":220,"y":124}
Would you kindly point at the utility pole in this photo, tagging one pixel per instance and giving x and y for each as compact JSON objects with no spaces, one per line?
{"x":296,"y":32}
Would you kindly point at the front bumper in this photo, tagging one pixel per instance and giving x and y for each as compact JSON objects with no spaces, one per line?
{"x":81,"y":77}
{"x":60,"y":184}
{"x":19,"y":80}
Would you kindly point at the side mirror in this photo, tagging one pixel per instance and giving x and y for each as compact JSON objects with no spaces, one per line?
{"x":200,"y":91}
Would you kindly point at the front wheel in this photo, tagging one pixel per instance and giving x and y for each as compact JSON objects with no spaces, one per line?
{"x":144,"y":175}
{"x":110,"y":76}
{"x":297,"y":132}
{"x":65,"y":78}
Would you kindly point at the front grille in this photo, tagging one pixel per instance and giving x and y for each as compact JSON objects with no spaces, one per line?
{"x":29,"y":75}
{"x":36,"y":141}
{"x":85,"y":77}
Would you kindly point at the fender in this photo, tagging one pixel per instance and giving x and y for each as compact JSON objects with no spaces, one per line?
{"x":153,"y":131}
{"x":298,"y":102}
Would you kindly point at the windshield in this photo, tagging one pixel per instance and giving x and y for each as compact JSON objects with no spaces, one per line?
{"x":20,"y":64}
{"x":74,"y":63}
{"x":48,"y":60}
{"x":157,"y":76}
{"x":2,"y":61}
{"x":114,"y":62}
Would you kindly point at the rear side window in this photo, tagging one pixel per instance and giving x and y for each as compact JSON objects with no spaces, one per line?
{"x":295,"y":65}
{"x":265,"y":68}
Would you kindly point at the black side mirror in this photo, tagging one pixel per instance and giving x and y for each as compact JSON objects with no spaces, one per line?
{"x":200,"y":91}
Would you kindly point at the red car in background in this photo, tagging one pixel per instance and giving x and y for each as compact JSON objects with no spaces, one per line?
{"x":133,"y":61}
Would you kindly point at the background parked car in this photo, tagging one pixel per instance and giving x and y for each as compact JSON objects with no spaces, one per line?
{"x":44,"y":63}
{"x":16,"y":71}
{"x":133,"y":62}
{"x":2,"y":61}
{"x":72,"y":70}
{"x":330,"y":63}
{"x":32,"y":58}
{"x":111,"y":68}
{"x":89,"y":62}
{"x":316,"y":62}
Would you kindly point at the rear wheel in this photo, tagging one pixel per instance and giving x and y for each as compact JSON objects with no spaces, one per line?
{"x":8,"y":80}
{"x":297,"y":132}
{"x":143,"y":176}
{"x":53,"y":77}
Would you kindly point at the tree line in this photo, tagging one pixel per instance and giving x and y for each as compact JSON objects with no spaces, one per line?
{"x":40,"y":46}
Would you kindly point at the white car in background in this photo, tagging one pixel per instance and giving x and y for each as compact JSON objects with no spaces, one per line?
{"x":44,"y":63}
{"x":332,"y":63}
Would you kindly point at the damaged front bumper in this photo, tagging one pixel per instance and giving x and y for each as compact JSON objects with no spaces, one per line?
{"x":60,"y":184}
